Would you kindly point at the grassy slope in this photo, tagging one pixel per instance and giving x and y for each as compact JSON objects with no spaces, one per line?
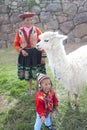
{"x":19,"y":113}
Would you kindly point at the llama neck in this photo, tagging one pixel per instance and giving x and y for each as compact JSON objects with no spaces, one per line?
{"x":58,"y":55}
{"x":58,"y":60}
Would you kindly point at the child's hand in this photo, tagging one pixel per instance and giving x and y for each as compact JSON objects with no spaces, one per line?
{"x":43,"y":119}
{"x":43,"y":60}
{"x":24,"y":53}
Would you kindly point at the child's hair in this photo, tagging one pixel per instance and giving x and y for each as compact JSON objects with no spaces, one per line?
{"x":41,"y":77}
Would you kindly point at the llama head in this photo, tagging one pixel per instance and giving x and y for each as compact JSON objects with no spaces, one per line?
{"x":50,"y":40}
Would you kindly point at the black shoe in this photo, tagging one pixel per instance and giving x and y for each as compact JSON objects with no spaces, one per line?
{"x":51,"y":127}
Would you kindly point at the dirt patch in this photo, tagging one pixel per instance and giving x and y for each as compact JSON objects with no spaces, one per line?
{"x":2,"y":50}
{"x":3,"y":102}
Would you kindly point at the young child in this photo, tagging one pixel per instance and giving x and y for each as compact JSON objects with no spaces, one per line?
{"x":46,"y":102}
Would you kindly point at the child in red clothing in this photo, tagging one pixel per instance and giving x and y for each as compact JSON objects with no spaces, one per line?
{"x":46,"y":102}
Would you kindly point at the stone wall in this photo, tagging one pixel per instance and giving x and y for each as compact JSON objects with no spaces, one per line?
{"x":66,"y":16}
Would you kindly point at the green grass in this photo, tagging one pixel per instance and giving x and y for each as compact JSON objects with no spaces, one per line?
{"x":19,"y":112}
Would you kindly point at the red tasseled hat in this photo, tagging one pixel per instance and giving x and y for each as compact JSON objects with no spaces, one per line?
{"x":26,"y":15}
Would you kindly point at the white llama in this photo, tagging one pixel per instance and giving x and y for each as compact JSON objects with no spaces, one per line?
{"x":71,"y":69}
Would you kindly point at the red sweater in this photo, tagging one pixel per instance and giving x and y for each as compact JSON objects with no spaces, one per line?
{"x":45,"y":103}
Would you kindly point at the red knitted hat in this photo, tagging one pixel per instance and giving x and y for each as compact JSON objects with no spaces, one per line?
{"x":26,"y":15}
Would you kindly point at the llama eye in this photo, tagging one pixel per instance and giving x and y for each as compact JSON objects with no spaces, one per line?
{"x":46,"y":40}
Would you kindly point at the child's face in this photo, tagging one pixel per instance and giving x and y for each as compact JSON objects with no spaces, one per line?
{"x":46,"y":85}
{"x":28,"y":22}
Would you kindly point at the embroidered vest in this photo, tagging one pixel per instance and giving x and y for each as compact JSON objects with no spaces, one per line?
{"x":32,"y":39}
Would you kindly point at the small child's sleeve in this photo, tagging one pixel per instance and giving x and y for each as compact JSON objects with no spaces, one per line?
{"x":40,"y":106}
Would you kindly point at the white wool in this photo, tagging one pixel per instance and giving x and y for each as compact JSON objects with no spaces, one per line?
{"x":71,"y":69}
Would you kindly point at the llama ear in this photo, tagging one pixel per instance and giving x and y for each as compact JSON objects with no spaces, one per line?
{"x":63,"y":37}
{"x":56,"y":33}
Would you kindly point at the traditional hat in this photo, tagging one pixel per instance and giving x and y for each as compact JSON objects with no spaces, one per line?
{"x":41,"y":77}
{"x":26,"y":15}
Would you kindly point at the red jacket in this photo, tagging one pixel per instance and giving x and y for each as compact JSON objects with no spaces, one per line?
{"x":18,"y":40}
{"x":45,"y":103}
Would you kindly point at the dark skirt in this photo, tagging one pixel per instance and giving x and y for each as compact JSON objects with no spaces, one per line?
{"x":30,"y":65}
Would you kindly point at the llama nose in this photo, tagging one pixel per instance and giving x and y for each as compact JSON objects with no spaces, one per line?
{"x":38,"y":47}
